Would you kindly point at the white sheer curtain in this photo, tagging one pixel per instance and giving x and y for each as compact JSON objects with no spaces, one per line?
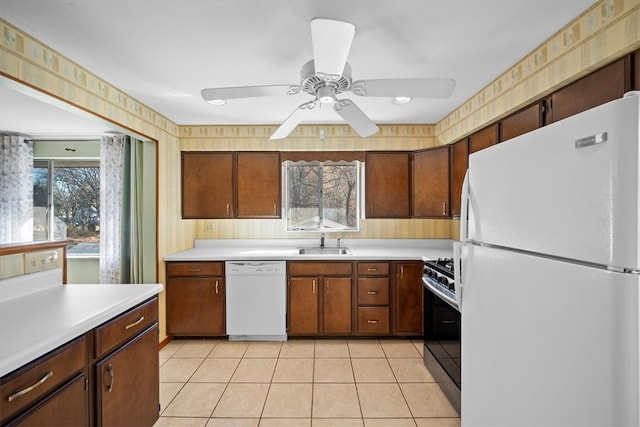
{"x":111,"y":187}
{"x":16,"y":189}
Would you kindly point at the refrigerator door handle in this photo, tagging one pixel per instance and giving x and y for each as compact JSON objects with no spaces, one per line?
{"x":457,"y":273}
{"x":464,"y":214}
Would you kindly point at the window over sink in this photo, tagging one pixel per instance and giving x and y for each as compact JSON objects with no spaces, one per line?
{"x":322,"y":196}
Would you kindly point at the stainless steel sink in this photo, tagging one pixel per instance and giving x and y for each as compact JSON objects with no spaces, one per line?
{"x":324,"y":251}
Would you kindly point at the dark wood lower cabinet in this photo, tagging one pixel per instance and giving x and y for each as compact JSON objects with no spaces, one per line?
{"x":336,"y":307}
{"x":354,"y":298}
{"x":107,"y":377}
{"x":127,"y":383}
{"x":303,"y":306}
{"x":67,"y":407}
{"x":408,"y":298}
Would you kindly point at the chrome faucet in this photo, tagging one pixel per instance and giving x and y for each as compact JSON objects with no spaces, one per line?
{"x":322,"y":240}
{"x":339,"y":242}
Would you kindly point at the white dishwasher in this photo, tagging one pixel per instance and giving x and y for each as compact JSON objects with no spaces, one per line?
{"x":256,"y":300}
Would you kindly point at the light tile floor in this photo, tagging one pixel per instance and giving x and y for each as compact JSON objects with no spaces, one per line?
{"x":317,"y":383}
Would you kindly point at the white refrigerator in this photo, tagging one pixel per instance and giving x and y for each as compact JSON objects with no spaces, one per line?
{"x":549,"y":273}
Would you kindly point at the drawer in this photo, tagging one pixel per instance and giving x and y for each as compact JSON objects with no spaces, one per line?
{"x":373,"y":320}
{"x":320,"y":268}
{"x":373,"y":269}
{"x":39,"y":378}
{"x":125,"y":326}
{"x":373,"y":291}
{"x":195,"y":269}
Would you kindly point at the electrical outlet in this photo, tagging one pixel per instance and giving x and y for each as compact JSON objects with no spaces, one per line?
{"x":208,"y":227}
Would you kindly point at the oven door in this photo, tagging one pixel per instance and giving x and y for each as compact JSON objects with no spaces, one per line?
{"x":442,"y":342}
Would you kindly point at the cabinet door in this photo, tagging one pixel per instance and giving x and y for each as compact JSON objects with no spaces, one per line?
{"x":431,"y":183}
{"x":599,"y":87}
{"x":303,"y":305}
{"x":387,"y":184}
{"x":67,"y":407}
{"x":336,"y":307}
{"x":459,"y":165}
{"x":483,"y":138}
{"x":127,"y":383}
{"x":521,"y":122}
{"x":409,"y":295}
{"x":195,"y":306}
{"x":207,"y":185}
{"x":258,"y":185}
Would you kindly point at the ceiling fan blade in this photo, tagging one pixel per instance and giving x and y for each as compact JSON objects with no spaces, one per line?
{"x":356,"y":118}
{"x":248,"y":91}
{"x":414,"y":88}
{"x":293,"y":120}
{"x":331,"y":44}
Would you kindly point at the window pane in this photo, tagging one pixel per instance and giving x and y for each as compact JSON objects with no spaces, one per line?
{"x":339,"y":198}
{"x":77,"y":202}
{"x":40,"y":201}
{"x":322,"y":196}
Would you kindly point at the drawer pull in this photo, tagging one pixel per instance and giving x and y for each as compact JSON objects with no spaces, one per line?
{"x":194,"y":270}
{"x":137,"y":322}
{"x":111,"y":377}
{"x":372,"y":292}
{"x":373,"y":321}
{"x":372,"y":269}
{"x":30,"y":388}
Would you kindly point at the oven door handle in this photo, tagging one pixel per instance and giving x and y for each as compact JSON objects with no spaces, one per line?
{"x":452,"y":302}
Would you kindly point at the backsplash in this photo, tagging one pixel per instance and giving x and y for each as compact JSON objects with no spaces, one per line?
{"x":411,"y":228}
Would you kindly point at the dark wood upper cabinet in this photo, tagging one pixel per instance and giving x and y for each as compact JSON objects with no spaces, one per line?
{"x":431,"y":183}
{"x":258,"y":185}
{"x":388,"y":184}
{"x":483,"y":138}
{"x":601,"y":86}
{"x":459,"y":165}
{"x":230,"y":185}
{"x":207,"y":185}
{"x":635,"y":70}
{"x":521,"y":122}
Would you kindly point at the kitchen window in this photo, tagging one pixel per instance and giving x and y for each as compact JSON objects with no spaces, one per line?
{"x":322,"y":196}
{"x":66,"y":196}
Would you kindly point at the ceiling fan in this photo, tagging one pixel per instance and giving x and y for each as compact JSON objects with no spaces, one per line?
{"x":327,"y":75}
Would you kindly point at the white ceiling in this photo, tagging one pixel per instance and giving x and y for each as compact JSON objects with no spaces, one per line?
{"x":164,"y":52}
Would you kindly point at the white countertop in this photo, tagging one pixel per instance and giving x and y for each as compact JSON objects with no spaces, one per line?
{"x":34,"y":324}
{"x":287,"y":249}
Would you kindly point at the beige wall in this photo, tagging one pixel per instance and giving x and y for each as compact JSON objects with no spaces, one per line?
{"x":608,"y":30}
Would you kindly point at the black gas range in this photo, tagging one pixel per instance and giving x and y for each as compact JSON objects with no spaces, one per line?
{"x":442,"y":327}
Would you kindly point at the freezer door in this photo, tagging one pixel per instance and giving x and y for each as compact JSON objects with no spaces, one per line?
{"x":547,"y":343}
{"x":569,"y":189}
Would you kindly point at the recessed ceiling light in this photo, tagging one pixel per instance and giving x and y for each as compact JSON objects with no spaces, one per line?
{"x":401,"y":99}
{"x":217,"y":101}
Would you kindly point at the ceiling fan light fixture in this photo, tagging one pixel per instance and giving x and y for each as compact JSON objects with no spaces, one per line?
{"x":398,"y":100}
{"x":217,"y":101}
{"x":326,"y":94}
